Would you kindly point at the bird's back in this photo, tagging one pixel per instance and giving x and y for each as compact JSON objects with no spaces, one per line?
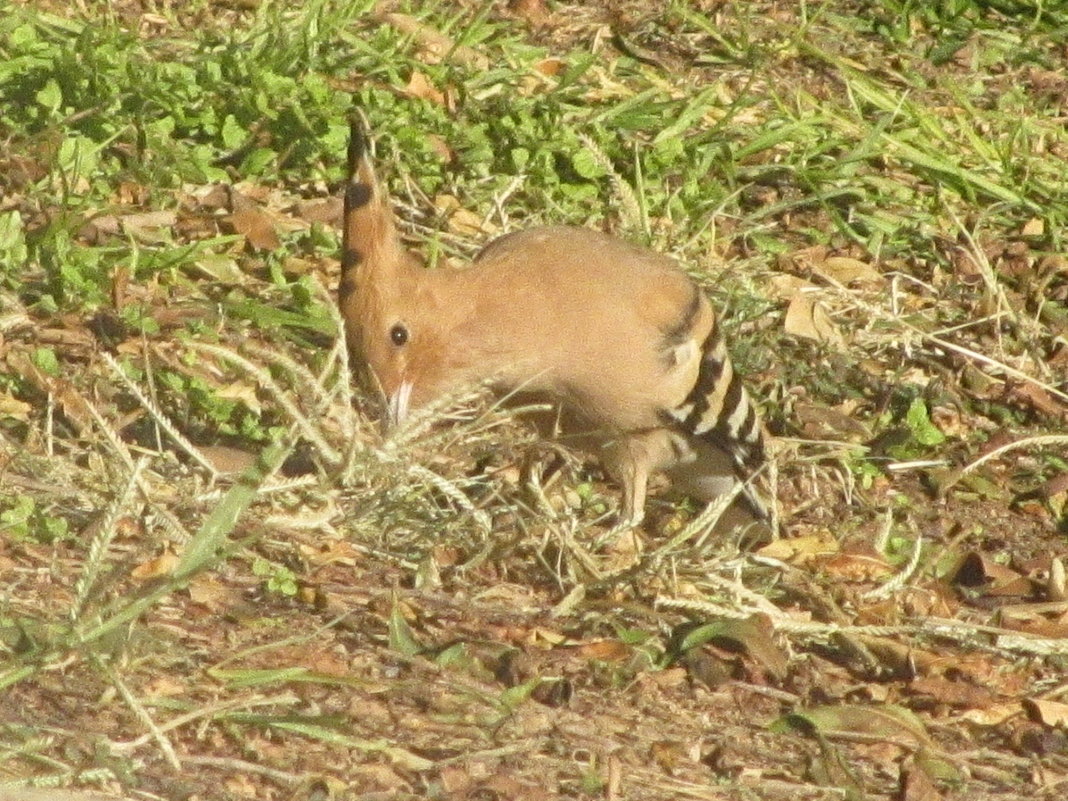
{"x":616,"y":326}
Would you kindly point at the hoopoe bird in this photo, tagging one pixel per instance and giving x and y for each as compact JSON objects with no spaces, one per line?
{"x":616,"y":336}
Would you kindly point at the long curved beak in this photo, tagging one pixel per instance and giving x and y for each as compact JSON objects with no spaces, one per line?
{"x":398,"y":404}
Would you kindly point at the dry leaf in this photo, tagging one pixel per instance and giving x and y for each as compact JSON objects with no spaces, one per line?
{"x":1033,"y":227}
{"x":1056,"y":589}
{"x":976,"y":570}
{"x":887,"y":722}
{"x":212,"y":197}
{"x":326,"y":211}
{"x":550,"y":66}
{"x":1049,"y":619}
{"x":14,"y":408}
{"x":756,"y":634}
{"x":825,"y":422}
{"x":857,"y":563}
{"x":807,"y":318}
{"x":441,"y":148}
{"x":129,"y":193}
{"x":951,"y":693}
{"x":162,"y":565}
{"x":333,"y":551}
{"x":1050,"y":713}
{"x":624,"y":551}
{"x":212,"y":594}
{"x":144,"y":226}
{"x":257,"y":228}
{"x":467,"y":223}
{"x":241,"y":785}
{"x":455,"y":780}
{"x":460,"y":220}
{"x":786,"y":287}
{"x":605,"y":651}
{"x":227,"y":460}
{"x":995,"y":715}
{"x":533,"y":11}
{"x":68,"y":398}
{"x":1036,"y":398}
{"x":240,"y":391}
{"x":164,"y":687}
{"x":669,"y":754}
{"x":420,"y":86}
{"x":800,"y":550}
{"x":435,"y":45}
{"x":845,"y":271}
{"x":916,"y":785}
{"x":56,"y":794}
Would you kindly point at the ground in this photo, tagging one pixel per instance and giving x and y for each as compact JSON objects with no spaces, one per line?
{"x":221,"y":580}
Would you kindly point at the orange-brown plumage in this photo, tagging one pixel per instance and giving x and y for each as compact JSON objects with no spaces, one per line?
{"x":616,"y":334}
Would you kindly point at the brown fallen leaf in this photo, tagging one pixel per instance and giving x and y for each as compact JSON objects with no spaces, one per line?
{"x":532,"y":11}
{"x":605,"y":651}
{"x":1057,"y":583}
{"x":807,"y":318}
{"x":977,"y":570}
{"x":857,"y":561}
{"x":227,"y":460}
{"x":754,"y":635}
{"x":1050,"y":713}
{"x":916,"y":785}
{"x":1033,"y":227}
{"x":13,"y":408}
{"x":461,"y":220}
{"x":785,"y":286}
{"x":331,"y":551}
{"x":946,"y":692}
{"x":801,"y":550}
{"x":145,"y":226}
{"x":995,"y":715}
{"x":435,"y":45}
{"x":324,"y":211}
{"x":419,"y":86}
{"x":165,"y":687}
{"x":69,"y":399}
{"x":161,"y":565}
{"x":257,"y":228}
{"x":1037,"y":399}
{"x":887,"y":722}
{"x":827,"y":422}
{"x":550,"y":66}
{"x":212,"y":198}
{"x":241,"y":391}
{"x":1049,"y":619}
{"x":845,"y":270}
{"x":670,"y":754}
{"x":248,"y":218}
{"x":214,"y":595}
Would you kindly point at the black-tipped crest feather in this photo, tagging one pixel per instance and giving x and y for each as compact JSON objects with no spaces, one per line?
{"x":359,"y":144}
{"x":371,"y":250}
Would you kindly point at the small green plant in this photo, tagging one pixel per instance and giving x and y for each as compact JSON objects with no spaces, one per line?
{"x":24,"y":520}
{"x":280,"y":579}
{"x":865,"y":470}
{"x":924,"y":432}
{"x":592,"y":501}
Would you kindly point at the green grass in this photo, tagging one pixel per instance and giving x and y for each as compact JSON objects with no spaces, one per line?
{"x":923,"y":141}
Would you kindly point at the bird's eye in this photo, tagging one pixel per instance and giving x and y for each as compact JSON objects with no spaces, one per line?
{"x":398,"y":335}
